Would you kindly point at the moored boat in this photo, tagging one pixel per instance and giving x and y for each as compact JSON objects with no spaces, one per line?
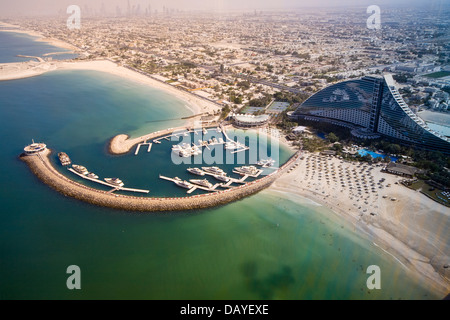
{"x":214,"y":170}
{"x":221,"y":178}
{"x":92,"y":175}
{"x":115,"y":181}
{"x":250,"y":170}
{"x":203,"y":183}
{"x":80,"y":169}
{"x":64,"y":159}
{"x":183,"y":184}
{"x":196,"y":171}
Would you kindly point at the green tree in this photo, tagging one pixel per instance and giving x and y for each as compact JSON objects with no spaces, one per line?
{"x":332,"y":137}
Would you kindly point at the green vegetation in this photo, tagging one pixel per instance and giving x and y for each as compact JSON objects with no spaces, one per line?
{"x":401,"y":78}
{"x":437,"y":75}
{"x":332,"y":137}
{"x":225,"y":111}
{"x":261,"y":102}
{"x":290,"y":97}
{"x":313,"y":144}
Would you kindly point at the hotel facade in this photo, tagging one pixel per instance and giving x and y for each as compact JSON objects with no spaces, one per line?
{"x":372,"y":108}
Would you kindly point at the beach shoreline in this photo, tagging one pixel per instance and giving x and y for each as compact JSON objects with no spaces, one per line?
{"x":394,"y":227}
{"x":20,"y":70}
{"x":38,"y":35}
{"x":390,"y":228}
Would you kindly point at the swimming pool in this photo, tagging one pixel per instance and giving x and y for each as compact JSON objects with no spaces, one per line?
{"x":375,"y":155}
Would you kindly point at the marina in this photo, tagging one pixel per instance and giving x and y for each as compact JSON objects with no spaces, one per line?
{"x":113,"y":186}
{"x":193,"y":185}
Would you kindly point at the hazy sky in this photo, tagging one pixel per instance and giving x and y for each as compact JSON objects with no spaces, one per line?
{"x":38,"y":7}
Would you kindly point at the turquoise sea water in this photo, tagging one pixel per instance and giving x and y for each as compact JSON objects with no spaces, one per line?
{"x":13,"y":44}
{"x":268,"y":246}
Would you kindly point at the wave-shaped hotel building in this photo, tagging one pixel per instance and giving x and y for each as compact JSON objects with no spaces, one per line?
{"x":371,"y":107}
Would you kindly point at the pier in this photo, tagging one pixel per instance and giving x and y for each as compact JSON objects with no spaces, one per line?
{"x":39,"y":59}
{"x":115,"y":188}
{"x":143,"y":144}
{"x":232,"y":180}
{"x":195,"y":187}
{"x":43,"y":168}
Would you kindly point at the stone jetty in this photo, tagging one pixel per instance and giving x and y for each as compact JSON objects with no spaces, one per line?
{"x":41,"y":166}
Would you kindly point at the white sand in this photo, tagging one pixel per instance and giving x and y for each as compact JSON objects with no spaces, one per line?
{"x":414,"y":229}
{"x":11,"y":71}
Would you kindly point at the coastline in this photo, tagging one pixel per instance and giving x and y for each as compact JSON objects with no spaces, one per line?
{"x":39,"y":36}
{"x":20,"y":70}
{"x":390,"y":228}
{"x":409,"y":229}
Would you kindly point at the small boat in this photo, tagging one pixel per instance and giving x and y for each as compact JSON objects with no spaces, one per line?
{"x":214,"y":170}
{"x":250,"y":170}
{"x":183,"y":184}
{"x":203,"y":183}
{"x":205,"y":131}
{"x":157,"y":141}
{"x":92,"y":175}
{"x":115,"y":181}
{"x":196,"y":171}
{"x":265,"y":163}
{"x":231,"y":146}
{"x":64,"y":159}
{"x":80,"y":169}
{"x":184,"y":154}
{"x":221,"y":178}
{"x":219,"y":130}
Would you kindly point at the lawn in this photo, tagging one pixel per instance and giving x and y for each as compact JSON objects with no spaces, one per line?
{"x":437,"y":75}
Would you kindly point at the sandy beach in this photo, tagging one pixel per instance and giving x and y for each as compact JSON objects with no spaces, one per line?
{"x":13,"y":71}
{"x":404,"y":223}
{"x":54,"y":42}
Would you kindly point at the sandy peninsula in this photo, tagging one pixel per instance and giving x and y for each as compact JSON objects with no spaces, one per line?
{"x":13,"y":71}
{"x":405,"y":223}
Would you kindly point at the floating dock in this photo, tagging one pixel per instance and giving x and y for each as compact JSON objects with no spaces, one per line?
{"x":195,"y":187}
{"x":115,"y":188}
{"x":143,"y":144}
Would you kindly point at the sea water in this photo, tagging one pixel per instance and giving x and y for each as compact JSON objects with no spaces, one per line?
{"x":13,"y":44}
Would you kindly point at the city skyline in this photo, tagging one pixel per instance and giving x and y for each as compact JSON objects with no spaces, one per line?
{"x":51,"y":7}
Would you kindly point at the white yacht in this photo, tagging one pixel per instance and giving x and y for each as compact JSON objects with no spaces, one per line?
{"x":92,"y":175}
{"x":115,"y":181}
{"x":196,"y":171}
{"x":184,"y":184}
{"x":265,"y":163}
{"x":214,"y":170}
{"x":80,"y":169}
{"x":250,"y":170}
{"x":221,"y":178}
{"x":203,"y":183}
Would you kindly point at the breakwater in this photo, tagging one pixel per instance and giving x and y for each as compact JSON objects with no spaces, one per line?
{"x":41,"y":166}
{"x":121,"y":144}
